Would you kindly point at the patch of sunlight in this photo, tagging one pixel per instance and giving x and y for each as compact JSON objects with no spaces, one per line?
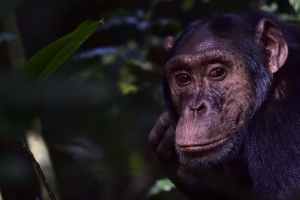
{"x":160,"y":186}
{"x":39,"y":149}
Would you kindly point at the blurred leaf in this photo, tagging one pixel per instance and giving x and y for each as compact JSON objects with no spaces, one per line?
{"x":127,"y":89}
{"x":295,"y":17}
{"x":160,"y":186}
{"x":108,"y":59}
{"x":126,"y":80}
{"x":147,"y":66}
{"x":7,"y":37}
{"x":271,"y":8}
{"x":46,"y":61}
{"x":136,"y":164}
{"x":291,"y":17}
{"x":295,"y":4}
{"x":91,"y":53}
{"x":187,"y":5}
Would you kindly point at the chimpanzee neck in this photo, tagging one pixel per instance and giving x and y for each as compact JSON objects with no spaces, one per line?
{"x":236,"y":170}
{"x":272,"y":143}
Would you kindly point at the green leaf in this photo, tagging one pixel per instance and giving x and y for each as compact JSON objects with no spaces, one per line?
{"x":271,"y":8}
{"x":160,"y":186}
{"x":49,"y":59}
{"x":295,"y":4}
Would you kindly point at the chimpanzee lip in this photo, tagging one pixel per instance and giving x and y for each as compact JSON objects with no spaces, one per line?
{"x":203,"y":147}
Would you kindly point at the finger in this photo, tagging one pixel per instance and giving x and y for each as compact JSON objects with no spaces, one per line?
{"x":165,"y":149}
{"x":159,"y":129}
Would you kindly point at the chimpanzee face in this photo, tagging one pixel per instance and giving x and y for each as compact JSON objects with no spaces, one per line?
{"x":212,"y":92}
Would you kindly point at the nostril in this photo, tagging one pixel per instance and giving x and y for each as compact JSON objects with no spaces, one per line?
{"x":198,"y":108}
{"x":201,"y":107}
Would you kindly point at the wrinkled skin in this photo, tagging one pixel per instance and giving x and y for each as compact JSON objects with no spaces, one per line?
{"x":213,"y":95}
{"x":213,"y":100}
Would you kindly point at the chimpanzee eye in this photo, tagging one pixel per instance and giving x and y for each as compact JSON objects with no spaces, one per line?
{"x":183,"y":79}
{"x":217,"y":73}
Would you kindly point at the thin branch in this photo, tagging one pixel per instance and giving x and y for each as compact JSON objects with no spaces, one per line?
{"x":38,"y":168}
{"x":18,"y":59}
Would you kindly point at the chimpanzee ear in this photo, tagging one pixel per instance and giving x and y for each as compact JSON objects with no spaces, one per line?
{"x":169,"y":43}
{"x":268,"y":35}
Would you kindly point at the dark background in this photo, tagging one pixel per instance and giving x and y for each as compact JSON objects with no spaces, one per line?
{"x":96,"y":111}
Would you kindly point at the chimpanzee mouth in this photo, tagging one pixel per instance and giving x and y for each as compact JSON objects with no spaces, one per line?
{"x":204,"y":147}
{"x":208,"y":154}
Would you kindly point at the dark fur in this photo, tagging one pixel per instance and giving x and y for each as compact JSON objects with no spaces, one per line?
{"x":272,"y":138}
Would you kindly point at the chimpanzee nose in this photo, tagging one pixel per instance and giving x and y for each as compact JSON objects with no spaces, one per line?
{"x":200,"y":108}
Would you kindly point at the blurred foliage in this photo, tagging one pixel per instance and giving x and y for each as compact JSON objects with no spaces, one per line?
{"x":49,"y":59}
{"x":295,"y":4}
{"x":6,"y":37}
{"x":161,"y":185}
{"x":98,"y":108}
{"x":271,"y":8}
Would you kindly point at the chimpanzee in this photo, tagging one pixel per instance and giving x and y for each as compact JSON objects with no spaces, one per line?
{"x":232,"y":95}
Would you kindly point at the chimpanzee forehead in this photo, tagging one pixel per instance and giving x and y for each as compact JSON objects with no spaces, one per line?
{"x":199,"y":41}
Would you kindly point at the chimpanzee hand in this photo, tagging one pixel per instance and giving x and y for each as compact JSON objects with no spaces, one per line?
{"x":162,"y":140}
{"x":187,"y":180}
